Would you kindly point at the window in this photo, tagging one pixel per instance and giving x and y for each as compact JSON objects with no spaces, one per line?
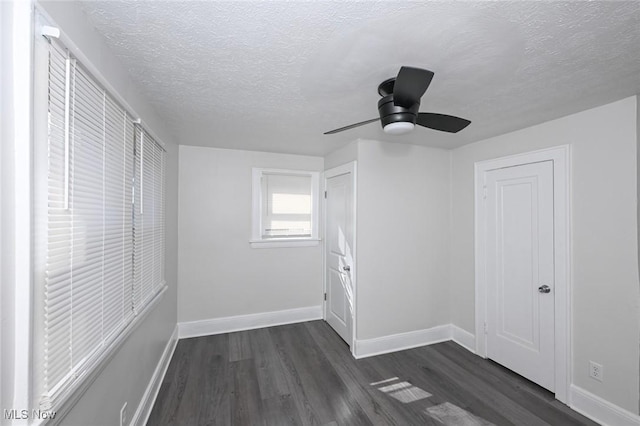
{"x":99,"y":226}
{"x":285,"y":208}
{"x":148,"y":220}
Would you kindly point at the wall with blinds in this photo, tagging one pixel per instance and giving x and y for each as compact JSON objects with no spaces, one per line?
{"x":100,"y":227}
{"x":149,"y":219}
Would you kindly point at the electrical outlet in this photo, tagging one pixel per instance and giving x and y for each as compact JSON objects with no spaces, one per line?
{"x":596,"y":371}
{"x":123,"y":415}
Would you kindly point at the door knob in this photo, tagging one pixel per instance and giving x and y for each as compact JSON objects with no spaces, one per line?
{"x":346,"y":268}
{"x":544,"y":289}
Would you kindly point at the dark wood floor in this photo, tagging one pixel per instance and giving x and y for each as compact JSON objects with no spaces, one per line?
{"x":304,"y":374}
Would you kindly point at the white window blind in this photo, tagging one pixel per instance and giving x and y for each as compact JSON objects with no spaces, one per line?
{"x":96,"y":265}
{"x":148,"y":227}
{"x":286,"y":205}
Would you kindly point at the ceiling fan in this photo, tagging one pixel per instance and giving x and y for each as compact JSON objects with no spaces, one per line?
{"x":399,"y":105}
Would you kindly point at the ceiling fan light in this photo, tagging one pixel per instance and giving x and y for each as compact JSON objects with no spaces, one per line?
{"x":399,"y":127}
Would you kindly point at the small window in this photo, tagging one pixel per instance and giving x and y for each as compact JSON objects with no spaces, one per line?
{"x":285,"y":208}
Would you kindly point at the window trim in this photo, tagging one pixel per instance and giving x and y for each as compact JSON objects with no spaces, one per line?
{"x":256,"y":240}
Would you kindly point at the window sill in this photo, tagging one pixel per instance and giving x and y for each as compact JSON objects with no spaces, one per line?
{"x":285,"y":242}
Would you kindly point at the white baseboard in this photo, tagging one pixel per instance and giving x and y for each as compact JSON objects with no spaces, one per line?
{"x":148,"y":399}
{"x":463,"y":338}
{"x":413,"y":339}
{"x":248,"y":322}
{"x":600,"y":410}
{"x":401,"y":341}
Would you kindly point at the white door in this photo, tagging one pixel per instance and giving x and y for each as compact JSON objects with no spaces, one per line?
{"x":520,"y":270}
{"x":339,"y":244}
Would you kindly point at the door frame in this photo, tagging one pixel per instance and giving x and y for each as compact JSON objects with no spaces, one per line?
{"x":352,"y":168}
{"x":561,"y":158}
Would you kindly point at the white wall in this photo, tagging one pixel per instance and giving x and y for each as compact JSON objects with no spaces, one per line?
{"x":341,"y":156}
{"x":4,"y":37}
{"x":6,"y":205}
{"x":402,"y":238}
{"x":220,"y":275}
{"x":126,"y":376}
{"x":605,"y":288}
{"x":15,"y":201}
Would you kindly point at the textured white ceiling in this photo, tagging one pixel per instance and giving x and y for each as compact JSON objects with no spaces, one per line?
{"x":274,"y":75}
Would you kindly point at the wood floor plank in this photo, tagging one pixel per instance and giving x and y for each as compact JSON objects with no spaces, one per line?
{"x":520,"y":390}
{"x":240,"y":345}
{"x":169,"y":398}
{"x":215,"y":383}
{"x":344,"y":401}
{"x":280,"y":411}
{"x":246,"y":404}
{"x":304,"y":374}
{"x":188,"y":411}
{"x":392,"y":370}
{"x":495,"y":394}
{"x":306,"y":411}
{"x":429,"y":374}
{"x":490,"y":396}
{"x":377,"y":405}
{"x":271,"y":374}
{"x":332,"y":394}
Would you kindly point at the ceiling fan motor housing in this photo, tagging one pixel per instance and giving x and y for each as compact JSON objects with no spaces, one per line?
{"x":391,"y":113}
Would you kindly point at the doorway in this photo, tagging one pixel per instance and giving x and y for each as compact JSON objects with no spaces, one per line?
{"x":340,"y":268}
{"x":522,"y":265}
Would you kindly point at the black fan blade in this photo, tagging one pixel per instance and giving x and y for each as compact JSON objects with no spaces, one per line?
{"x":351,"y":126}
{"x":442,"y":122}
{"x":410,"y":85}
